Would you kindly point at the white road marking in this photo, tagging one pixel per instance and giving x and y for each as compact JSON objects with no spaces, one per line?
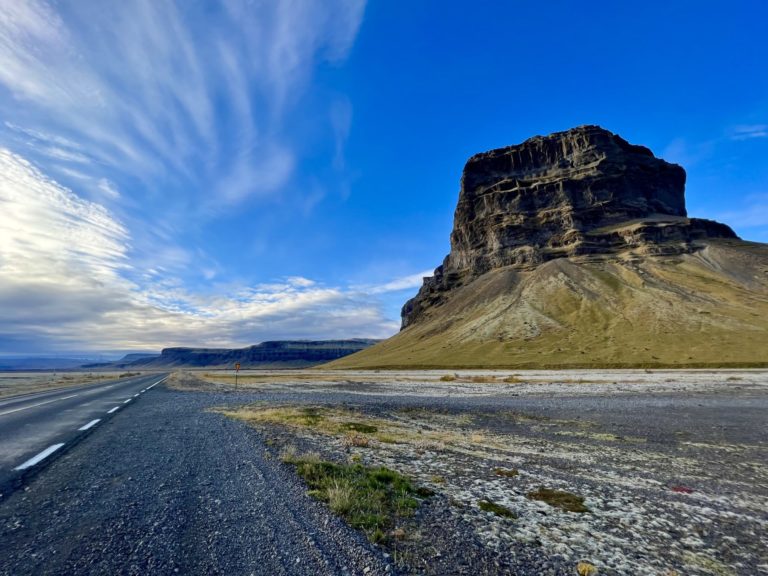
{"x":158,"y":382}
{"x":114,"y":409}
{"x":38,"y":404}
{"x":44,"y":454}
{"x":135,"y":395}
{"x":126,"y":402}
{"x":90,"y":424}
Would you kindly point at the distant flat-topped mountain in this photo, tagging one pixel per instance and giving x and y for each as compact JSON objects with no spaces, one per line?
{"x":275,"y":354}
{"x":576,"y":249}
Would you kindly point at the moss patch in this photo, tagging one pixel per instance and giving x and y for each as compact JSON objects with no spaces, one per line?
{"x":559,"y":499}
{"x":498,"y":509}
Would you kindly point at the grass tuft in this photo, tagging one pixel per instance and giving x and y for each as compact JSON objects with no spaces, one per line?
{"x":370,"y":499}
{"x":559,"y":499}
{"x":586,"y":569}
{"x":507,"y":472}
{"x":359,"y":427}
{"x":357,"y":440}
{"x":498,"y":509}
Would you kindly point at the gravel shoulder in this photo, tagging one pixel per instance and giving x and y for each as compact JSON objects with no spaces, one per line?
{"x":171,"y":488}
{"x":670,"y":465}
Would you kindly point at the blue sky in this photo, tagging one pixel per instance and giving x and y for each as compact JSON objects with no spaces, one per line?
{"x":221,"y":173}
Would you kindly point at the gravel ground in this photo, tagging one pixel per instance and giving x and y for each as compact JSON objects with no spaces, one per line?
{"x":169,"y":488}
{"x":672,"y":466}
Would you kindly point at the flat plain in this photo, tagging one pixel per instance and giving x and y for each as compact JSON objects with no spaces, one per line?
{"x":17,"y":383}
{"x":665,"y":470}
{"x":491,"y":472}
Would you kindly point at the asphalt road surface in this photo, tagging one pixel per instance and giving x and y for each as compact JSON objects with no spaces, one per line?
{"x":166,"y":486}
{"x":35,"y":428}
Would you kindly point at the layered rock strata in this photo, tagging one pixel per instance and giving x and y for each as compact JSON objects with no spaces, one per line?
{"x":579,"y":194}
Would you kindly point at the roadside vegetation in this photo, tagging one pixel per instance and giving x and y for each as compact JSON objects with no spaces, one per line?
{"x":500,"y":478}
{"x":494,"y":508}
{"x":372,"y":499}
{"x":559,"y":499}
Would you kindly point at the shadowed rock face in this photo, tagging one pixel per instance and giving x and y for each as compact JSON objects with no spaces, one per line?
{"x":575,"y":194}
{"x":282,"y":353}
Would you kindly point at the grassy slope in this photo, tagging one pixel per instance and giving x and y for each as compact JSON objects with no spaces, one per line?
{"x":705,"y":309}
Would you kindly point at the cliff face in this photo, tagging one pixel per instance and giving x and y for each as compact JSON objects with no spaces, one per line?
{"x":280,"y":353}
{"x":576,"y":250}
{"x":580,"y":193}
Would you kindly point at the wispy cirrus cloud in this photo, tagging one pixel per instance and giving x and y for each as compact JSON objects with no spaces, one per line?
{"x":409,"y":282}
{"x":67,"y":285}
{"x":132,"y":123}
{"x":749,"y":131}
{"x":195,"y":95}
{"x":752,"y":215}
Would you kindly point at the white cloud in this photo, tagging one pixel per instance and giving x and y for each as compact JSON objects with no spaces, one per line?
{"x":341,"y":122}
{"x":752,"y":214}
{"x":64,"y":265}
{"x":108,"y":188}
{"x":749,"y":131}
{"x":142,"y":86}
{"x":165,"y":113}
{"x":410,"y":282}
{"x":48,"y":230}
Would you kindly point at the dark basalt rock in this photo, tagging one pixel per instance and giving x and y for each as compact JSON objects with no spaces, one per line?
{"x":287,"y":353}
{"x":580,"y":193}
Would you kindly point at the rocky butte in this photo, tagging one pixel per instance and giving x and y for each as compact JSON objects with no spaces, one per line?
{"x":576,"y":249}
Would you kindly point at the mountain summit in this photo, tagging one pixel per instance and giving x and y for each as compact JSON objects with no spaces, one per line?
{"x":576,"y":249}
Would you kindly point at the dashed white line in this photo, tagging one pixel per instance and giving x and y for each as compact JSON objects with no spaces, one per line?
{"x":126,"y":402}
{"x":44,"y":454}
{"x":34,"y":405}
{"x":116,"y":408}
{"x":90,"y":424}
{"x":135,"y":395}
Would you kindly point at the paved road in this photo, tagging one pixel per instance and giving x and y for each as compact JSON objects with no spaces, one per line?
{"x":36,"y":428}
{"x":170,"y":487}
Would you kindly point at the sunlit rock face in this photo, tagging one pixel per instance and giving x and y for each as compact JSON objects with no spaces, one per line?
{"x":582,"y":193}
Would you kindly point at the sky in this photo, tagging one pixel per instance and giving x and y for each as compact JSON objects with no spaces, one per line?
{"x":200,"y":173}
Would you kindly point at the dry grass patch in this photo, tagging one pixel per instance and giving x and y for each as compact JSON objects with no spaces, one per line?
{"x":559,"y":499}
{"x":431,"y":432}
{"x":330,"y":421}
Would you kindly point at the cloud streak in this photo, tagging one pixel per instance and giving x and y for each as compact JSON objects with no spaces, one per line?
{"x":749,"y":131}
{"x":151,"y":91}
{"x":158,"y":115}
{"x":65,"y":267}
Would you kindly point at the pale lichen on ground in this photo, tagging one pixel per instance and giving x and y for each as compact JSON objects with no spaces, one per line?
{"x":651,"y":505}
